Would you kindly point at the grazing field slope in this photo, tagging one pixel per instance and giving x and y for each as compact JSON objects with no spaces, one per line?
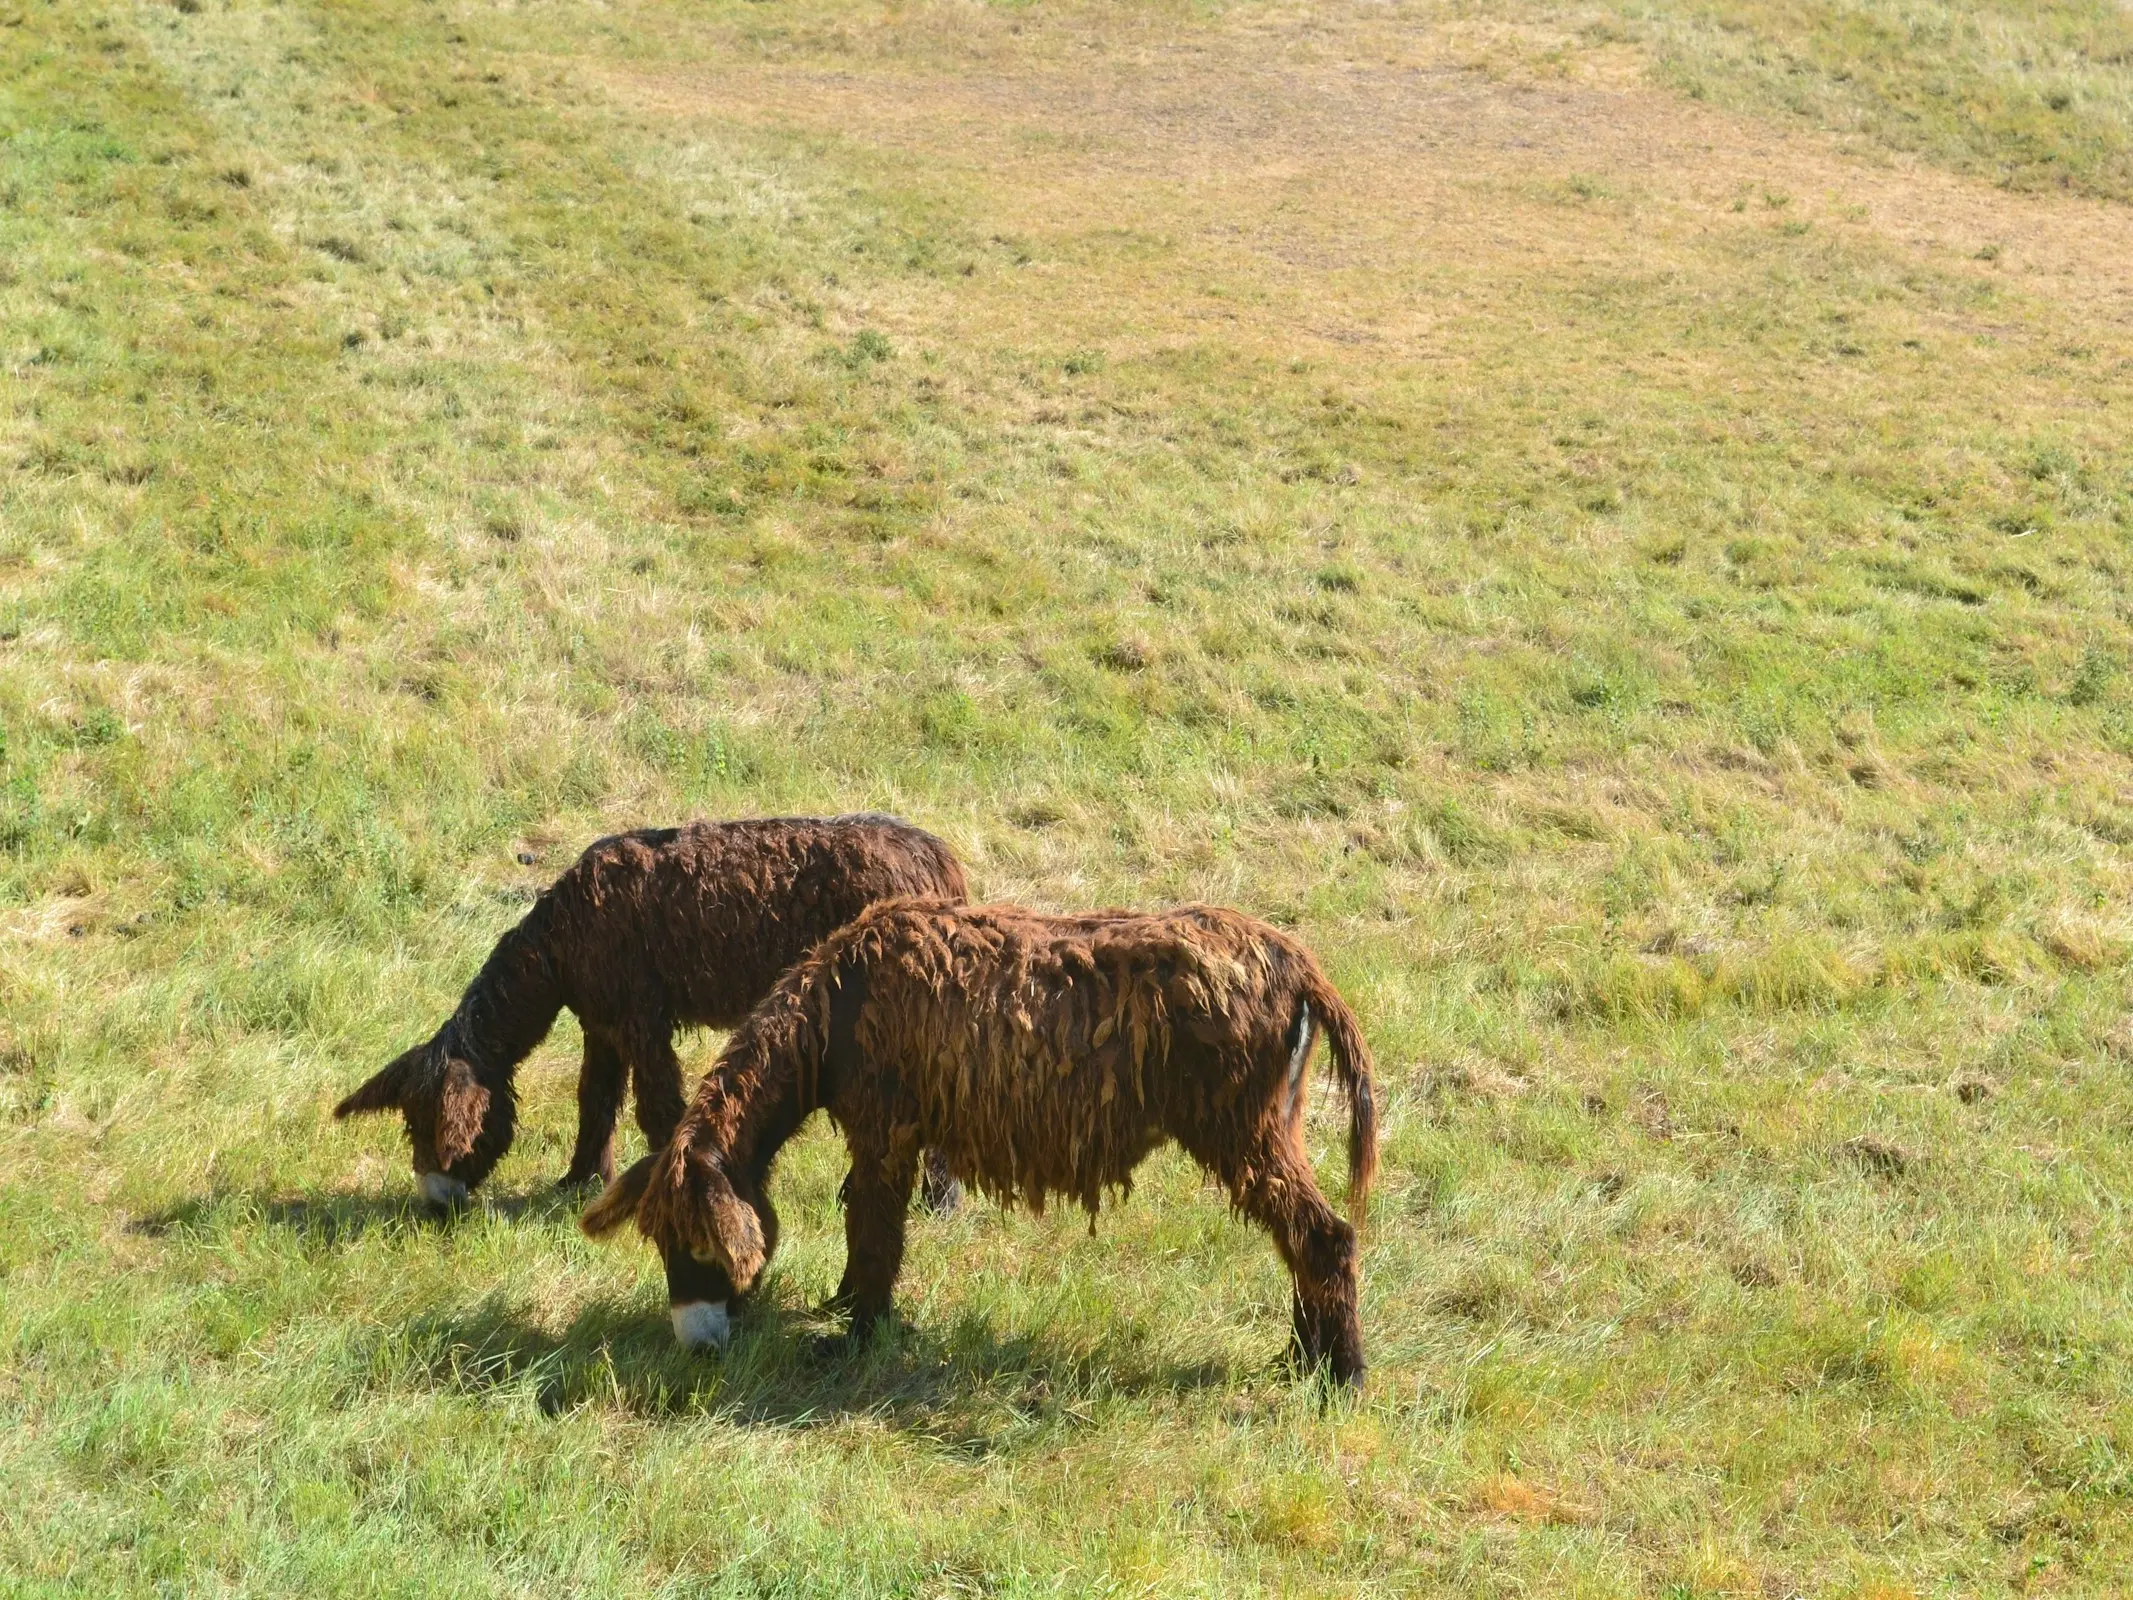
{"x":1613,"y":521}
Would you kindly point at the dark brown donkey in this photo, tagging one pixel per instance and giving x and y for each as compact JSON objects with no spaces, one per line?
{"x":647,"y":932}
{"x":1039,"y":1055}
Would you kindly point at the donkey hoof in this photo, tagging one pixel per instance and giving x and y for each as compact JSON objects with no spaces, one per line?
{"x":942,"y":1199}
{"x":1335,"y":1377}
{"x":821,"y":1349}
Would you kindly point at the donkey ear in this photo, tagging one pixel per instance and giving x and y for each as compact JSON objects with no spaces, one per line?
{"x":461,"y":1105}
{"x":619,"y":1203}
{"x":384,"y":1092}
{"x":740,"y":1236}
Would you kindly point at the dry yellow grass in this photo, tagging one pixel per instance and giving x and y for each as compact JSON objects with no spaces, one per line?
{"x":1313,"y":164}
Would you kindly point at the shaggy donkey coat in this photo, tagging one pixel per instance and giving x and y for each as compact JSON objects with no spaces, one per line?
{"x":1041,"y":1056}
{"x":646,"y":932}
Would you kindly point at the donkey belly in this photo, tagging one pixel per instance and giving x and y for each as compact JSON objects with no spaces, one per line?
{"x":1023,"y":1124}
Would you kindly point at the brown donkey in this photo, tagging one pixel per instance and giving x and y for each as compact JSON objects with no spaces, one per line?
{"x":1039,"y":1056}
{"x":647,"y":932}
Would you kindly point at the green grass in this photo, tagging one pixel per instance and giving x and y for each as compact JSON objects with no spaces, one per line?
{"x":1641,"y":588}
{"x":2033,"y":95}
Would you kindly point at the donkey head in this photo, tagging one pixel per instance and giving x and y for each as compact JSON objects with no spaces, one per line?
{"x":445,"y":1109}
{"x":684,"y":1202}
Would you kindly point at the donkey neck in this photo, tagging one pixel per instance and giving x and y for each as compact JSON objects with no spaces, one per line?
{"x":770,"y":1088}
{"x":509,"y":1007}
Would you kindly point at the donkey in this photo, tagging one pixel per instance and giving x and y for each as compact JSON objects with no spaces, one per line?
{"x":647,"y":932}
{"x":1037,"y":1055}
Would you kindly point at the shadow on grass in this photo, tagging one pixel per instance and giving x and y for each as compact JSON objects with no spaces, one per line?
{"x":966,"y":1386}
{"x":969,"y":1387}
{"x":333,"y":1218}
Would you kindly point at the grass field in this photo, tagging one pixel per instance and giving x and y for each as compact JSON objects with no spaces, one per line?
{"x":1613,"y":520}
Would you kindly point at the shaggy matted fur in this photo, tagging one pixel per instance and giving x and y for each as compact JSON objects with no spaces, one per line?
{"x":1040,"y":1056}
{"x":646,"y":932}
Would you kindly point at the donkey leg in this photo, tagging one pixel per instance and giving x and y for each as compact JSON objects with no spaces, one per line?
{"x":657,"y":1074}
{"x":841,"y":1299}
{"x":938,"y":1191}
{"x":601,"y":1079}
{"x":1274,"y":1187}
{"x":877,"y":1198}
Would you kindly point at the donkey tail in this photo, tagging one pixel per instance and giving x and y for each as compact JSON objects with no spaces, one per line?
{"x":1352,"y":1065}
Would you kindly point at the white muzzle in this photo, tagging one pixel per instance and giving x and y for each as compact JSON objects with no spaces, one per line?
{"x":702,"y":1324}
{"x":441,"y":1189}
